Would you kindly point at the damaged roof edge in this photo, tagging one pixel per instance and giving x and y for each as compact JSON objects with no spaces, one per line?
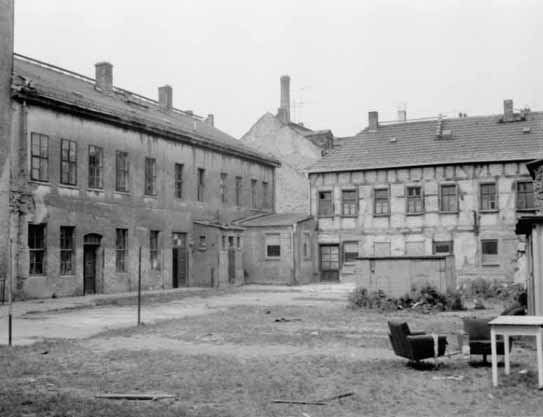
{"x":182,"y":136}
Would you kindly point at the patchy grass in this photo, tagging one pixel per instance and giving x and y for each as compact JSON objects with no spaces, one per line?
{"x":60,"y":378}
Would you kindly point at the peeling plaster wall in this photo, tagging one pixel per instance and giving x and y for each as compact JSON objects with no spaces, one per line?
{"x":398,"y":229}
{"x":102,"y":211}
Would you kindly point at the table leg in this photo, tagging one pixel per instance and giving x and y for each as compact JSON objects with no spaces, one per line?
{"x":494,"y":357}
{"x":506,"y":353}
{"x":539,"y":349}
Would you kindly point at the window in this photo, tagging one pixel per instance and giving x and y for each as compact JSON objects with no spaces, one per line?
{"x":325,"y":204}
{"x":415,"y":203}
{"x":253,"y":194}
{"x":489,"y":251}
{"x":488,"y":197}
{"x":265,"y":195}
{"x":36,"y":249}
{"x":150,"y":176}
{"x":307,"y":245}
{"x":381,"y":248}
{"x":154,"y":252}
{"x":121,"y":249}
{"x":39,"y":157}
{"x":525,"y":195}
{"x":68,"y":162}
{"x":273,"y":245}
{"x":224,"y":176}
{"x":238,"y":191}
{"x":348,"y":203}
{"x":239,"y":242}
{"x":201,"y":184}
{"x":121,"y":171}
{"x":66,"y":250}
{"x":443,"y":248}
{"x":350,"y":251}
{"x":202,"y":245}
{"x":224,"y":242}
{"x":178,"y":180}
{"x":381,"y":202}
{"x":96,"y":165}
{"x":448,"y":201}
{"x":230,"y":241}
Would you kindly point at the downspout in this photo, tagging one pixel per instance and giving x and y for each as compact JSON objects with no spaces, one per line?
{"x":294,"y":250}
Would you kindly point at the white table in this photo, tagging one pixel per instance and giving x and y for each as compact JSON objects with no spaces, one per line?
{"x":516,"y":326}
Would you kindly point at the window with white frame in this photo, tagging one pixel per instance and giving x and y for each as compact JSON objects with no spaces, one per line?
{"x":273,"y":246}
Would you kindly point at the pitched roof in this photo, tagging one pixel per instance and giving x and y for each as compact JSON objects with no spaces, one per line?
{"x":463,"y":140}
{"x":36,"y":79}
{"x":270,"y":220}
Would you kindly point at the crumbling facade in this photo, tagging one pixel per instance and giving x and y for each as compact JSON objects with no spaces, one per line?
{"x":441,"y":186}
{"x":295,"y":146}
{"x":103,"y":177}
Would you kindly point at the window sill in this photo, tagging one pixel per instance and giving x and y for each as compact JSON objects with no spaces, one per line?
{"x":420,"y":213}
{"x":526,"y":210}
{"x":121,"y":192}
{"x":491,"y":264}
{"x":381,"y":215}
{"x":278,"y":258}
{"x":96,"y":190}
{"x":349,"y":216}
{"x":489,"y":211}
{"x":69,"y":186}
{"x":448,"y":212}
{"x":39,"y":182}
{"x":325,"y":216}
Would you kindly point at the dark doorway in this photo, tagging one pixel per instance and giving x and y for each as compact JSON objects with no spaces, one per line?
{"x":179,"y":259}
{"x":91,"y":244}
{"x":231,"y":260}
{"x":329,"y":262}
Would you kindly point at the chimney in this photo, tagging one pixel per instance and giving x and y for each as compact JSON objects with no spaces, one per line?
{"x":402,"y":115}
{"x":283,"y":113}
{"x":508,"y":111}
{"x":104,"y":76}
{"x":373,"y":120}
{"x":165,"y":97}
{"x":210,"y":120}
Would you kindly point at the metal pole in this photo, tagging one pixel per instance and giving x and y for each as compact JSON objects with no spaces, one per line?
{"x":139,"y":288}
{"x":10,"y":299}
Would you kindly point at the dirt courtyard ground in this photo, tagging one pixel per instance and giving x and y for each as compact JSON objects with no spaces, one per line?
{"x":235,"y":353}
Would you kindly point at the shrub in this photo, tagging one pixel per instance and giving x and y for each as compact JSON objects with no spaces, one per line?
{"x":491,"y":289}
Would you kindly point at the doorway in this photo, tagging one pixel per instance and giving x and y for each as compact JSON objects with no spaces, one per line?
{"x":329,"y":262}
{"x":179,"y":260}
{"x":91,"y":245}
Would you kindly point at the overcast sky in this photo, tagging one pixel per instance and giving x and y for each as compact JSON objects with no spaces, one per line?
{"x":345,"y":58}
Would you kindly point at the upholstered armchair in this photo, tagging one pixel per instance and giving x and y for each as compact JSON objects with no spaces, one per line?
{"x":414,"y":346}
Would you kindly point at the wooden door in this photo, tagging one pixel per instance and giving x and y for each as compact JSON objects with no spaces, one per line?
{"x":329,"y":262}
{"x":89,"y":269}
{"x":179,"y":259}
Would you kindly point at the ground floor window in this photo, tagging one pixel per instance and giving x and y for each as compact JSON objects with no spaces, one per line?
{"x":489,"y":252}
{"x":67,"y":250}
{"x":36,"y":248}
{"x":153,"y":249}
{"x":121,"y":249}
{"x":273,"y":245}
{"x":350,"y":251}
{"x":443,"y":247}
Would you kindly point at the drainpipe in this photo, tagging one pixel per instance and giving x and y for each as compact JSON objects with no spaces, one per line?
{"x":294,"y":250}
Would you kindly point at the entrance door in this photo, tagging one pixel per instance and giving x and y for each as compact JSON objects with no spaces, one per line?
{"x":179,"y":259}
{"x":329,"y":259}
{"x":89,"y":269}
{"x":231,"y":260}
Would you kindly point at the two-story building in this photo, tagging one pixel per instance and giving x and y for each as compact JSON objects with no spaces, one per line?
{"x":440,"y":186}
{"x":102,"y":177}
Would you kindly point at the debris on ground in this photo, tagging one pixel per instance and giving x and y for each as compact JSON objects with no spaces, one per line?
{"x":135,"y":396}
{"x":298,"y":402}
{"x":337,"y":397}
{"x":284,"y":320}
{"x":451,"y":377}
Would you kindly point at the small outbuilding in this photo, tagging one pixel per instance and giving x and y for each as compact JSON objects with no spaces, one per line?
{"x":280,"y":249}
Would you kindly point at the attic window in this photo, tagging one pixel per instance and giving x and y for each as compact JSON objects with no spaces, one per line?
{"x":526,"y":130}
{"x":445,"y":134}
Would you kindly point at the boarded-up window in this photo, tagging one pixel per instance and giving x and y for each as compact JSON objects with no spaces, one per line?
{"x":448,"y":200}
{"x":68,"y":162}
{"x":415,"y":202}
{"x":121,"y":249}
{"x":96,"y":166}
{"x":443,"y":248}
{"x":153,"y":249}
{"x":489,"y":252}
{"x":525,"y":195}
{"x":178,"y":180}
{"x":348,"y":203}
{"x":150,"y":176}
{"x":381,"y":202}
{"x":414,"y":248}
{"x":273,"y":245}
{"x":121,"y":171}
{"x":350,"y":251}
{"x":39,"y":157}
{"x":66,"y":250}
{"x":36,"y":248}
{"x":488,"y":197}
{"x":381,"y":248}
{"x":325,"y":204}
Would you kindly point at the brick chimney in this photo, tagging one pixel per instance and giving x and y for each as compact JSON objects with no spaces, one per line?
{"x":210,"y":120}
{"x":283,"y":113}
{"x":373,"y":120}
{"x":508,"y":115}
{"x":104,"y":76}
{"x":165,"y":97}
{"x":402,"y":115}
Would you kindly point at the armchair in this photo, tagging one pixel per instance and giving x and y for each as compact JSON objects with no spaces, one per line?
{"x":478,"y":331}
{"x":414,"y":346}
